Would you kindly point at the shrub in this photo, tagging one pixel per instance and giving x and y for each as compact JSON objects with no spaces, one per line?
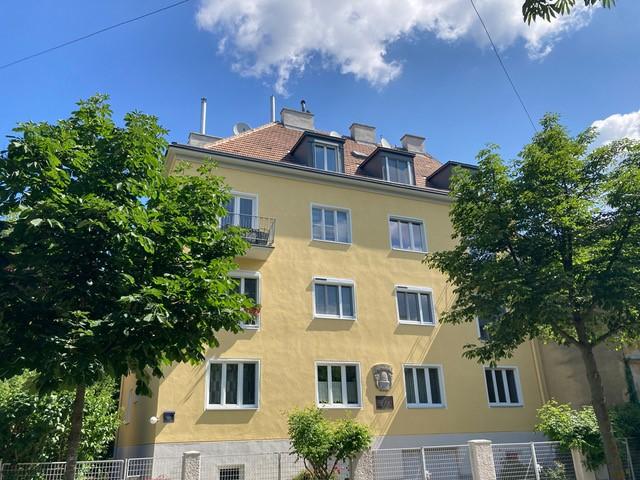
{"x":321,"y":444}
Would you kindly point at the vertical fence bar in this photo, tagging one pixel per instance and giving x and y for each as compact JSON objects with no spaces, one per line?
{"x":534,"y":459}
{"x":424,"y":468}
{"x":279,"y":466}
{"x":630,"y":460}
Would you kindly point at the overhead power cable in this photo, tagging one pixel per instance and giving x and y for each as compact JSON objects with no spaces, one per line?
{"x":504,"y":68}
{"x":93,"y":34}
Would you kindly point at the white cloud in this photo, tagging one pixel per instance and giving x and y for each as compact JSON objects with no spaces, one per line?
{"x":618,"y":126}
{"x":278,"y":38}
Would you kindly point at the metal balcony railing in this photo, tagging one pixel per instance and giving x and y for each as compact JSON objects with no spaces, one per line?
{"x":258,"y":231}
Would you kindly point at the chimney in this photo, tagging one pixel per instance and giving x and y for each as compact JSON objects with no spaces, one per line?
{"x":297,"y":119}
{"x":203,"y":116}
{"x":363,"y":133}
{"x":412,"y":143}
{"x":272,"y":118}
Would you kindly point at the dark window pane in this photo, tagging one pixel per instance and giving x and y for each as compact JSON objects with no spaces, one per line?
{"x":394,"y":226}
{"x":332,"y":307}
{"x":425,"y":304}
{"x":321,"y":302}
{"x":343,"y":227}
{"x":329,"y":225}
{"x":230,"y":473}
{"x":215,"y":383}
{"x":416,"y":231}
{"x":352,"y":384}
{"x":228,"y":219}
{"x":490,"y":390}
{"x":249,"y":384}
{"x":412,"y":300}
{"x":402,"y":305}
{"x":331,"y":159}
{"x":403,"y":172}
{"x":422,"y":386}
{"x":232,"y":384}
{"x":323,"y":384}
{"x":434,"y":383}
{"x":408,"y":381}
{"x":347,"y":301}
{"x":318,"y":157}
{"x":502,"y":394}
{"x":336,"y":383}
{"x":482,"y":322}
{"x":251,"y":288}
{"x":316,"y":215}
{"x":237,"y":282}
{"x":511,"y":384}
{"x":404,"y":235}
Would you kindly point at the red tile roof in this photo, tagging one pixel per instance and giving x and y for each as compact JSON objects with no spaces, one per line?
{"x":274,"y":141}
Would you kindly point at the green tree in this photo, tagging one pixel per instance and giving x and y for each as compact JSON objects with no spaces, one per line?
{"x":108,"y":266}
{"x":322,"y":444}
{"x":549,"y":246}
{"x":548,"y":9}
{"x":35,"y":427}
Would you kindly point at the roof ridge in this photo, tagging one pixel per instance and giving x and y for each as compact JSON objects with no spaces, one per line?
{"x":243,"y":134}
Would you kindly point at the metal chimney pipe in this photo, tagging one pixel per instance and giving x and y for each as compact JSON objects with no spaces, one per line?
{"x":273,"y":108}
{"x":203,"y":116}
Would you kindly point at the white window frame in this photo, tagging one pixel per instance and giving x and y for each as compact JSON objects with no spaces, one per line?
{"x":241,"y":275}
{"x":516,"y":376}
{"x":418,"y":290}
{"x":339,"y":282}
{"x":254,"y":209}
{"x":386,"y":176}
{"x":239,"y":466}
{"x":335,"y":209}
{"x":345,"y":406}
{"x":223,"y":392}
{"x":443,"y":395}
{"x":326,"y":145}
{"x":408,"y":220}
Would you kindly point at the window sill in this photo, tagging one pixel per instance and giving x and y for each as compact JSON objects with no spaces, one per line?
{"x":333,"y":317}
{"x":421,"y":252}
{"x":425,"y":407}
{"x":334,"y":242}
{"x":506,"y":405}
{"x":227,"y":408}
{"x":417,"y":324}
{"x":339,"y":407}
{"x":252,"y":328}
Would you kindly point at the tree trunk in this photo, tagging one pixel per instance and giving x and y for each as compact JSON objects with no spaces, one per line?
{"x":611,"y":452}
{"x":75,"y":433}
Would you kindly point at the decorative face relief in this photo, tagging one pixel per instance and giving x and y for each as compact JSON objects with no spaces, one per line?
{"x":383,"y":376}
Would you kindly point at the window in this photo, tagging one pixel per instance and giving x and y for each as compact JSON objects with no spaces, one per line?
{"x":398,"y":170}
{"x":248,"y":284}
{"x":331,"y":224}
{"x":415,"y":305}
{"x":482,"y":332}
{"x":503,"y":386}
{"x":326,"y":157}
{"x":407,"y":234}
{"x":334,"y":298}
{"x":423,"y":386}
{"x":338,"y":385}
{"x":235,"y":472}
{"x":241,"y":211}
{"x":232,"y":384}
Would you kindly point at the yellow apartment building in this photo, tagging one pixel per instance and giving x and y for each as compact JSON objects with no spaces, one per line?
{"x":349,"y":319}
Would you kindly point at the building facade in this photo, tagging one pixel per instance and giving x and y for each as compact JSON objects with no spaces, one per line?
{"x":349,"y":317}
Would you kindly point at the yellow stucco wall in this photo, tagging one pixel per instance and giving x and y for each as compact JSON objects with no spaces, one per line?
{"x":290,"y":341}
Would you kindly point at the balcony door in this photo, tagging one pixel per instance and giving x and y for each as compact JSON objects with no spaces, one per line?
{"x":241,"y":211}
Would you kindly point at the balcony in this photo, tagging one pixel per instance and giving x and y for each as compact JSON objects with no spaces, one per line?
{"x":259,"y":232}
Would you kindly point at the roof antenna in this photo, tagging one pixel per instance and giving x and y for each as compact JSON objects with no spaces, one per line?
{"x":303,"y":105}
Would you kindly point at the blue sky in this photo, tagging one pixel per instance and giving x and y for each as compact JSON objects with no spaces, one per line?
{"x":442,"y":82}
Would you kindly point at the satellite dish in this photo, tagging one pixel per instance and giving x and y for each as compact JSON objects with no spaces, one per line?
{"x":384,"y":142}
{"x":240,"y":127}
{"x":333,"y":133}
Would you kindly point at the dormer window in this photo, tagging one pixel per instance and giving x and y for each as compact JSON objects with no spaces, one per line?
{"x":398,"y":170}
{"x":325,"y":157}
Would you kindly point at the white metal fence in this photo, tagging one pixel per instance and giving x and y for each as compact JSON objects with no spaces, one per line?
{"x":96,"y":470}
{"x":434,"y":463}
{"x":532,"y":461}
